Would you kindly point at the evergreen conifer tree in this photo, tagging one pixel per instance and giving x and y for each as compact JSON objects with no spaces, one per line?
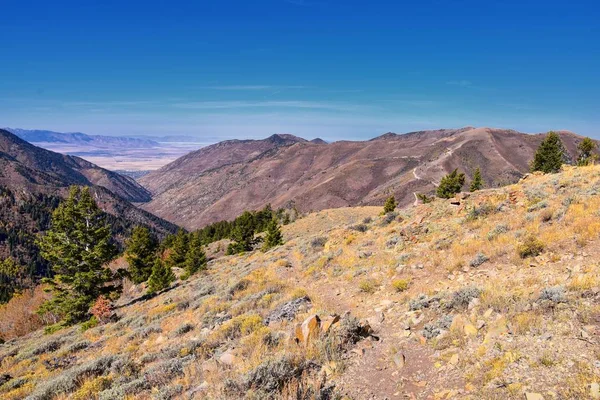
{"x":390,"y":205}
{"x":550,"y":155}
{"x":161,"y":277}
{"x":273,"y":237}
{"x":178,"y":250}
{"x":140,"y":254}
{"x":451,"y":184}
{"x":242,"y":234}
{"x":77,"y":246}
{"x":586,"y":152}
{"x":195,"y":259}
{"x":477,"y":182}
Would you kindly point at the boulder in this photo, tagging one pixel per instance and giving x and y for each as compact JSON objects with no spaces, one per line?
{"x":310,"y":328}
{"x":328,"y":322}
{"x":533,"y":396}
{"x":228,"y":358}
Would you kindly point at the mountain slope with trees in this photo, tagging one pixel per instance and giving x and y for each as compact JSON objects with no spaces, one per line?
{"x":221,"y":181}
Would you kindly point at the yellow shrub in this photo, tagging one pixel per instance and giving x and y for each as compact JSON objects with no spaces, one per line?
{"x":400,"y":285}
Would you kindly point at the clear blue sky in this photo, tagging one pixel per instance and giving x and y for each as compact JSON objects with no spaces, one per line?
{"x":330,"y":68}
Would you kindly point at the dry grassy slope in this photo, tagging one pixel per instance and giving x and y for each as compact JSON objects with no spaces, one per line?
{"x":221,"y":181}
{"x":476,"y":320}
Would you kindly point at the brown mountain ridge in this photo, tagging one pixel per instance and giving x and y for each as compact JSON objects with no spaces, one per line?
{"x":221,"y":181}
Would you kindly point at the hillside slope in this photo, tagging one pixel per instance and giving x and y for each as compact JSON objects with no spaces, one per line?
{"x":32,"y":183}
{"x":221,"y":181}
{"x":489,"y":296}
{"x":28,"y":165}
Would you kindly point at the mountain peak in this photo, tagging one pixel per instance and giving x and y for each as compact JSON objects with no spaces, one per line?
{"x":284,"y":138}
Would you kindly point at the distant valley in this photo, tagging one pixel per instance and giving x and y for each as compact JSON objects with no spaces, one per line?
{"x":128,"y":155}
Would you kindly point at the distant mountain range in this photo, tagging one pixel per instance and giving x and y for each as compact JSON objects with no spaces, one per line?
{"x":78,"y":138}
{"x":220,"y":181}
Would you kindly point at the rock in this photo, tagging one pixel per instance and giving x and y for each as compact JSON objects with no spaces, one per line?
{"x":533,"y":396}
{"x":298,"y":336}
{"x":310,"y":328}
{"x":228,"y":358}
{"x":595,"y":390}
{"x":399,"y":359}
{"x":209,"y":366}
{"x":473,"y":303}
{"x":470,"y":330}
{"x":496,"y":328}
{"x":455,"y":202}
{"x":454,"y":359}
{"x":458,"y":323}
{"x":328,"y":322}
{"x":386,"y":303}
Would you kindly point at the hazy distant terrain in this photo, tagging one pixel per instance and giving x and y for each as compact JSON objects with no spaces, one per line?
{"x":129,"y":154}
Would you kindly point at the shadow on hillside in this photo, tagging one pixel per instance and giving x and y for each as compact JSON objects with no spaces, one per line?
{"x":146,"y":297}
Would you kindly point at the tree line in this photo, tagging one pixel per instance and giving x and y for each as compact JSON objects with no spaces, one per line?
{"x":79,"y":246}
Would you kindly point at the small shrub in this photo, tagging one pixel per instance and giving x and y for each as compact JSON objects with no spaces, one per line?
{"x":480,"y":211}
{"x":546,"y":215}
{"x":68,"y":380}
{"x":424,"y":198}
{"x":163,"y":372}
{"x":389,"y":218}
{"x":479,"y":259}
{"x":102,"y":310}
{"x":498,"y":230}
{"x":530,"y":247}
{"x":360,"y":228}
{"x":47,"y":347}
{"x":433,"y":329}
{"x":367,"y":220}
{"x":89,"y":324}
{"x":318,"y":242}
{"x":367,"y":286}
{"x":554,"y":294}
{"x":461,"y":298}
{"x":422,"y":301}
{"x":537,"y":206}
{"x":271,"y":376}
{"x":78,"y":346}
{"x":400,"y":285}
{"x":183,"y":329}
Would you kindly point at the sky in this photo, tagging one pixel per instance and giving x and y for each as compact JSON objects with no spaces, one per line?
{"x":335,"y":69}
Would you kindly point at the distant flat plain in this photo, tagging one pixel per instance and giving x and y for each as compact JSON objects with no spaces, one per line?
{"x":123,"y":159}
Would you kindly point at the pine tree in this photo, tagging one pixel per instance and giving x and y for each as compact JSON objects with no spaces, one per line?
{"x":178,"y":250}
{"x":451,"y":184}
{"x":77,"y":246}
{"x":195,"y":259}
{"x":10,"y":279}
{"x":140,"y":254}
{"x":161,"y":277}
{"x":550,"y":155}
{"x":390,"y":205}
{"x":242,"y":234}
{"x":273,"y":237}
{"x":586,"y":152}
{"x":477,"y":182}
